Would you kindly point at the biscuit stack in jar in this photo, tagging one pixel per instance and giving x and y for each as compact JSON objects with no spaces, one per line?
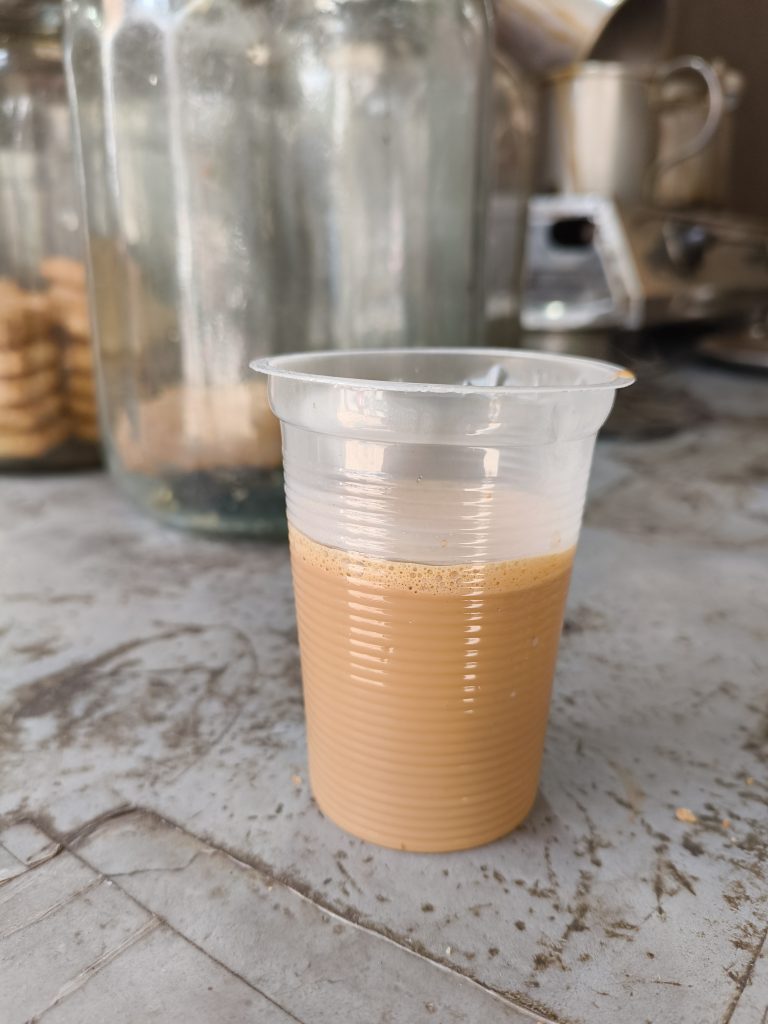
{"x":68,"y":305}
{"x":47,"y":390}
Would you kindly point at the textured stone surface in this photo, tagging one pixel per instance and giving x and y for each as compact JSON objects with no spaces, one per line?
{"x":152,"y":678}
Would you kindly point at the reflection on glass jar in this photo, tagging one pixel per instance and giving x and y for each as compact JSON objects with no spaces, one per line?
{"x":264,"y":177}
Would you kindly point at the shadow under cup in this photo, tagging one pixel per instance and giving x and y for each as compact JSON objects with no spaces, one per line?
{"x":434,"y":502}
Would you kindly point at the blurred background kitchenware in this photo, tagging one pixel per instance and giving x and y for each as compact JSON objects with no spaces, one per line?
{"x":48,"y":406}
{"x":602,"y":126}
{"x":744,"y":347}
{"x":537,"y":38}
{"x":629,"y":226}
{"x":703,"y":177}
{"x":263,"y":178}
{"x":546,"y":35}
{"x":592,"y":262}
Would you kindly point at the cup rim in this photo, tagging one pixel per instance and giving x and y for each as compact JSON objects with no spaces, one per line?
{"x":282,"y":367}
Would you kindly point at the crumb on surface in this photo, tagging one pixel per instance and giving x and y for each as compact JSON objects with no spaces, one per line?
{"x":686,"y":815}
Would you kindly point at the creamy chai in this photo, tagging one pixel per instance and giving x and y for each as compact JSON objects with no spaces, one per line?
{"x":427,"y":691}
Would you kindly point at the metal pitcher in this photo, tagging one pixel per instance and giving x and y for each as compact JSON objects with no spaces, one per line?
{"x":704,"y":178}
{"x":602,"y":127}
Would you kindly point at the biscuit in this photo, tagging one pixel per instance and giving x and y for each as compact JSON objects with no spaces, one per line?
{"x":69,"y":308}
{"x":80,"y":383}
{"x":81,"y":343}
{"x":15,"y":391}
{"x":8,"y":287}
{"x":10,"y":293}
{"x":78,"y":357}
{"x":86,"y":430}
{"x":14,"y":324}
{"x":83,"y":405}
{"x":61,"y":269}
{"x":37,"y":313}
{"x":15,"y":362}
{"x":27,"y":417}
{"x":33,"y":443}
{"x":76,"y":323}
{"x":85,"y":411}
{"x":62,"y":299}
{"x":197,"y":428}
{"x":22,"y":314}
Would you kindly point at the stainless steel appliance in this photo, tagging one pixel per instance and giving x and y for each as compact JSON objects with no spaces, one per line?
{"x":539,"y":37}
{"x":592,"y":262}
{"x":628,"y":226}
{"x":630,"y":229}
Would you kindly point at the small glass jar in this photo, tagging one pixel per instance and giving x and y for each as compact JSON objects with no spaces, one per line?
{"x":48,"y":407}
{"x":263,"y":177}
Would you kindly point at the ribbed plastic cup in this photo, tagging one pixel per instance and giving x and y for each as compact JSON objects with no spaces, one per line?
{"x":434,"y":502}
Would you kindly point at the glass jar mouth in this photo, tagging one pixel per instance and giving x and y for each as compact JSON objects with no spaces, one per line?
{"x":487,"y":372}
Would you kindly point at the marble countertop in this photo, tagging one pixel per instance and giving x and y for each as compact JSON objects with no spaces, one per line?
{"x":161,"y":858}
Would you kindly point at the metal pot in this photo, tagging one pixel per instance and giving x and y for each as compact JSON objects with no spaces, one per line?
{"x":545,"y":35}
{"x":704,"y":178}
{"x":602,"y":130}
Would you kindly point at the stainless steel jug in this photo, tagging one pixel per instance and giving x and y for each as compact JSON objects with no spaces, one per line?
{"x":704,"y":178}
{"x":602,"y":127}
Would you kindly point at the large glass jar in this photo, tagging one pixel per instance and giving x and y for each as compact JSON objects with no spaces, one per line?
{"x":48,"y":410}
{"x":265,"y":176}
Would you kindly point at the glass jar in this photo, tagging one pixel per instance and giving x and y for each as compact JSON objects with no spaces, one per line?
{"x":48,"y":409}
{"x":263,"y":177}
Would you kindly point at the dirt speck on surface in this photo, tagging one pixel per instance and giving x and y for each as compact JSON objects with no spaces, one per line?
{"x":686,"y":815}
{"x":690,"y":844}
{"x":736,"y":895}
{"x":581,"y":619}
{"x":162,"y":700}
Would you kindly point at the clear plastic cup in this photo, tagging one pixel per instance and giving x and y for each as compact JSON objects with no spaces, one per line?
{"x":434,"y":501}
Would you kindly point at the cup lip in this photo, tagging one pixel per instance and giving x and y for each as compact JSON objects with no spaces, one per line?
{"x":281,"y":367}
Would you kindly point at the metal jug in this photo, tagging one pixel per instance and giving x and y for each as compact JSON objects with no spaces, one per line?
{"x":702,"y":179}
{"x":602,"y":127}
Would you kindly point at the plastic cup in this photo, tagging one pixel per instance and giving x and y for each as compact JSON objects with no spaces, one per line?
{"x":434,"y":502}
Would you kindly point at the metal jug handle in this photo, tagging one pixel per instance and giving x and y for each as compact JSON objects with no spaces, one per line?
{"x":715,"y":111}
